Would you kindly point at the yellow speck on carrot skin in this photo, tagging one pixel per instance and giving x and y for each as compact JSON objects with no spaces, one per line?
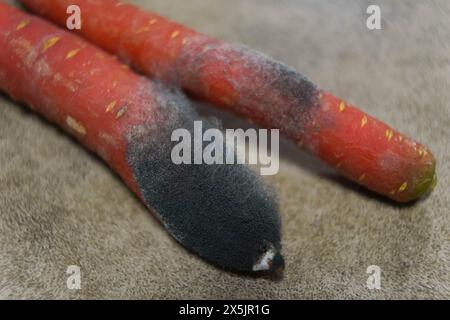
{"x":342,"y":106}
{"x":226,"y":100}
{"x":153,"y":21}
{"x":143,"y":29}
{"x":207,"y":48}
{"x":175,"y":34}
{"x":362,"y":177}
{"x":121,"y":112}
{"x":22,"y":24}
{"x":363,"y":121}
{"x":72,"y":53}
{"x":389,"y":134}
{"x":400,"y":138}
{"x":50,"y":43}
{"x":94,"y":72}
{"x":403,"y":187}
{"x":107,"y":138}
{"x":75,"y":125}
{"x":111,"y":106}
{"x":420,"y":152}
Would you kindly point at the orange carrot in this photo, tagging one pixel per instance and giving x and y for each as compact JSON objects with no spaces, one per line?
{"x":221,"y":212}
{"x":359,"y":146}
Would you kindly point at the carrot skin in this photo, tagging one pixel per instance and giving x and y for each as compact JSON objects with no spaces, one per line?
{"x":59,"y":75}
{"x":360,"y":147}
{"x":224,"y":213}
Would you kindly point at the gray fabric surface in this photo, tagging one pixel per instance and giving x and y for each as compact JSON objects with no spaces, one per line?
{"x":61,"y":206}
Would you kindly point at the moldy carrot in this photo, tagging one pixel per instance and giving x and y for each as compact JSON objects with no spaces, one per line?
{"x":270,"y":93}
{"x":224,"y":213}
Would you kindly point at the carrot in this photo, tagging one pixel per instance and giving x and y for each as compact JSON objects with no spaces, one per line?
{"x":224,"y":213}
{"x":271,"y":94}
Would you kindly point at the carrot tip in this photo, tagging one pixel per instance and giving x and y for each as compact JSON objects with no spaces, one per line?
{"x":428,"y":182}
